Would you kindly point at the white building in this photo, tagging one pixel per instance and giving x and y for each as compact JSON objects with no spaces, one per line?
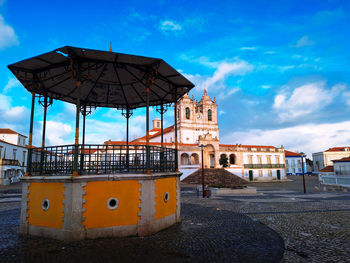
{"x":323,"y":159}
{"x":197,"y":124}
{"x":342,"y":166}
{"x":294,"y":163}
{"x":13,"y":156}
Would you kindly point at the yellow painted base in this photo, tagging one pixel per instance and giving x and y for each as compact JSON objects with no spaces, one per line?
{"x":165,"y":205}
{"x":97,"y":213}
{"x":78,"y":207}
{"x":53,"y":216}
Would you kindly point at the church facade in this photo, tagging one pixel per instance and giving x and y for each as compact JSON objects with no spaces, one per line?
{"x":198,"y":125}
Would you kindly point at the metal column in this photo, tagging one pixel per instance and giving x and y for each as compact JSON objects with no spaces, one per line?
{"x":76,"y":142}
{"x":148,"y":154}
{"x":30,"y":143}
{"x":42,"y":156}
{"x":176,"y":142}
{"x":83,"y":141}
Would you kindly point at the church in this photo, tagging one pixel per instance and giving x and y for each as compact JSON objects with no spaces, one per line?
{"x":198,"y":125}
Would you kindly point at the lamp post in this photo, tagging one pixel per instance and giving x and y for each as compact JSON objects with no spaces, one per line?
{"x":302,"y":169}
{"x":202,"y":150}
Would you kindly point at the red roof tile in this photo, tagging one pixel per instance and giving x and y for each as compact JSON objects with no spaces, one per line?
{"x":337,"y":149}
{"x":151,"y":143}
{"x":345,"y":159}
{"x":247,"y":146}
{"x":166,"y":130}
{"x":289,"y":153}
{"x":9,"y":131}
{"x":327,"y":169}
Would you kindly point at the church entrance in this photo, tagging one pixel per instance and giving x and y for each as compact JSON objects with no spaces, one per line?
{"x":209,"y":152}
{"x":212,"y":160}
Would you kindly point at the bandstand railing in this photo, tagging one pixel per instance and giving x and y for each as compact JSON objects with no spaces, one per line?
{"x":101,"y":159}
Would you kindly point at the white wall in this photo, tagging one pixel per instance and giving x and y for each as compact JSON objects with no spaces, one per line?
{"x":342,"y":168}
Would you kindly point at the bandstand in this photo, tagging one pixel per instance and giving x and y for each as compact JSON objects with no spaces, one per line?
{"x":78,"y":191}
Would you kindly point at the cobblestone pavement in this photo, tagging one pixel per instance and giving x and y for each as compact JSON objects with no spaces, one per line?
{"x":279,"y":223}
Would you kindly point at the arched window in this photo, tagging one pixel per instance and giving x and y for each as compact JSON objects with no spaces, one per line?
{"x":185,"y":159}
{"x":232,"y":159}
{"x":194,"y":158}
{"x":188,"y":113}
{"x":209,"y":115}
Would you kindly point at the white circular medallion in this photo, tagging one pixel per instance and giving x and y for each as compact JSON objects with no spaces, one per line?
{"x":112,"y":203}
{"x":166,"y":197}
{"x":45,"y":204}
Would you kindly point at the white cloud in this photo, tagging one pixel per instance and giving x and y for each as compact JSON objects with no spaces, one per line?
{"x":221,"y":112}
{"x":57,"y":133}
{"x":12,"y":83}
{"x":304,"y":41}
{"x":227,"y":93}
{"x":308,"y":138}
{"x":226,"y":69}
{"x":265,"y":86}
{"x":8,"y":36}
{"x":10,"y":114}
{"x":247,"y":48}
{"x":168,"y":26}
{"x":304,"y":100}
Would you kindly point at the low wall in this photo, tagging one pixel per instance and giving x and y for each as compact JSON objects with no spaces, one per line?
{"x":74,"y":208}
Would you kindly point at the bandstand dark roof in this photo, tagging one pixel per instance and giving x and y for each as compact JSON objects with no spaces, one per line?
{"x":108,"y":79}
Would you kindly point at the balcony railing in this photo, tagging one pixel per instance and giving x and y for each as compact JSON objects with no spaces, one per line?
{"x":101,"y":159}
{"x":262,"y":166}
{"x":9,"y":162}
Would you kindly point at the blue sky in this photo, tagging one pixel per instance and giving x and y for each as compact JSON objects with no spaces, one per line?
{"x":279,"y":69}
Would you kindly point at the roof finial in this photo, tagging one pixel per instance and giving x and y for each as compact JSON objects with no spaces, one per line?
{"x":110,"y":46}
{"x":205,"y":90}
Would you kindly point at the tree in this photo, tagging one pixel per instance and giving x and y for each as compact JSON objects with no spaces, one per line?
{"x":223,"y":160}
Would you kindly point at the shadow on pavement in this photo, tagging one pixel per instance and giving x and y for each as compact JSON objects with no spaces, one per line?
{"x":205,"y":235}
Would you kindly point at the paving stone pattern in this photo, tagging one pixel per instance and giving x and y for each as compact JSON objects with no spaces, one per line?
{"x":279,"y":224}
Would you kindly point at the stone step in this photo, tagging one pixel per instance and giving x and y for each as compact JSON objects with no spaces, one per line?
{"x":215,"y":177}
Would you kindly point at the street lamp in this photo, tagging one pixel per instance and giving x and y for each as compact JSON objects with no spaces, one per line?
{"x":202,"y":150}
{"x":302,"y":169}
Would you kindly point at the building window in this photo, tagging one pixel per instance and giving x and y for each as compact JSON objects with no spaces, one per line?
{"x":260,"y":173}
{"x":209,"y":115}
{"x":24,"y":157}
{"x":259,"y":159}
{"x":232,"y":159}
{"x":250,"y":159}
{"x":270,"y":173}
{"x":277,"y":159}
{"x":185,"y":159}
{"x":194,"y":158}
{"x":268,"y":159}
{"x":14,"y":154}
{"x":188,"y":115}
{"x":286,"y":162}
{"x":0,"y":152}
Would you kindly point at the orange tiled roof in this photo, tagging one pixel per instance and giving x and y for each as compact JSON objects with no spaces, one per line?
{"x":9,"y":131}
{"x":289,"y":153}
{"x":345,"y":159}
{"x":337,"y":149}
{"x":150,"y":143}
{"x":86,"y":151}
{"x":166,"y":130}
{"x":327,"y":169}
{"x":247,"y":146}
